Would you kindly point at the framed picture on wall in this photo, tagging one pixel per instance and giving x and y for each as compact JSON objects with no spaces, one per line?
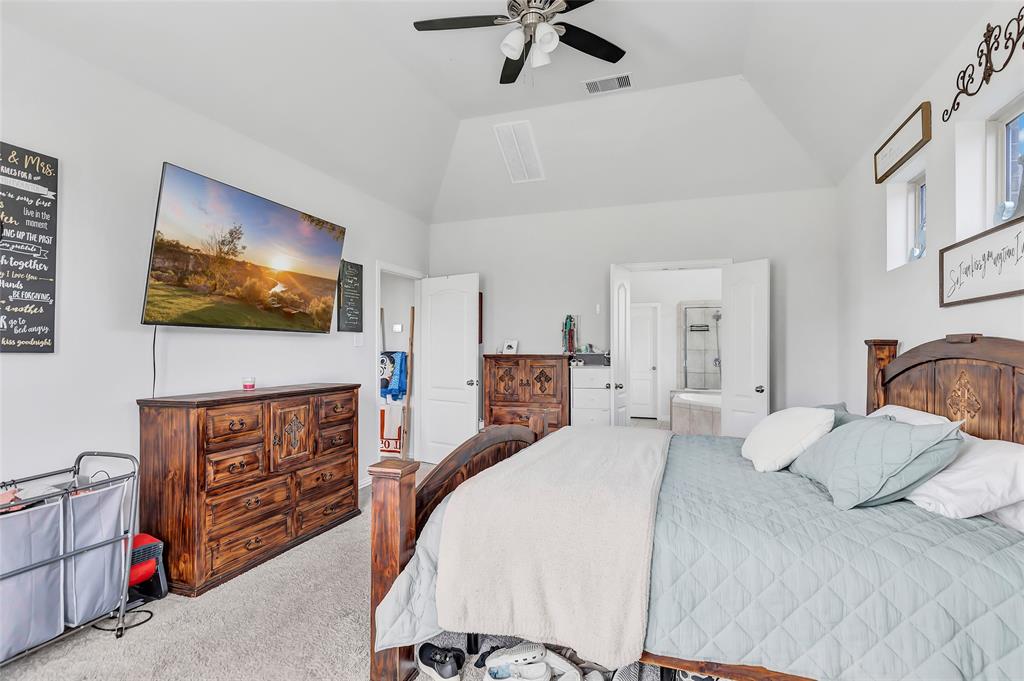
{"x":986,"y":266}
{"x":510,"y":346}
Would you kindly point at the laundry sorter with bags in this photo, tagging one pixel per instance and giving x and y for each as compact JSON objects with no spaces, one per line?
{"x":65,"y":554}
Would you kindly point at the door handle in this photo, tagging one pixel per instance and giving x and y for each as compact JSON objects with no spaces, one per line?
{"x":618,"y":386}
{"x":471,"y":382}
{"x":759,"y":389}
{"x":654,"y":368}
{"x":607,"y":386}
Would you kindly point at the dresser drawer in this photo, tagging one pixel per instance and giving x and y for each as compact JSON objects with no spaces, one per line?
{"x":233,"y":466}
{"x":521,"y":416}
{"x":337,"y":440}
{"x":239,"y":547}
{"x":591,"y":377}
{"x":591,"y":399}
{"x":318,"y":479}
{"x":591,"y":417}
{"x":319,"y":512}
{"x":337,"y":407}
{"x":234,"y":425}
{"x":240,"y":506}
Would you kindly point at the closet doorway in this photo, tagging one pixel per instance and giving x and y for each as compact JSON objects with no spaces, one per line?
{"x":398,"y":296}
{"x":690,"y":345}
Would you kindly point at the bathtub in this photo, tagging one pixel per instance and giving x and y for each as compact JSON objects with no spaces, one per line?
{"x":697,"y":412}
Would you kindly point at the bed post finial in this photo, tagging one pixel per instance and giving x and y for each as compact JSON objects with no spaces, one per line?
{"x":880,"y":353}
{"x":392,"y":542}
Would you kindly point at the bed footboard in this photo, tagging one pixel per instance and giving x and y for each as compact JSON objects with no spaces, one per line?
{"x":400,"y":509}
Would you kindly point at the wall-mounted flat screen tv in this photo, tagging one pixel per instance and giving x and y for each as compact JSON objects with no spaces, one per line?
{"x":223,"y":257}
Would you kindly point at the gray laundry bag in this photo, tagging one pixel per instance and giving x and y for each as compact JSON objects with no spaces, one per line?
{"x":31,"y":604}
{"x":92,"y":580}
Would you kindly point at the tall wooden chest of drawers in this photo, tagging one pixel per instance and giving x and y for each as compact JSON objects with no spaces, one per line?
{"x":230,"y":479}
{"x":517,"y":387}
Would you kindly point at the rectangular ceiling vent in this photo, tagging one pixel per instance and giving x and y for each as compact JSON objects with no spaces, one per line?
{"x":609,"y":84}
{"x":519,"y":150}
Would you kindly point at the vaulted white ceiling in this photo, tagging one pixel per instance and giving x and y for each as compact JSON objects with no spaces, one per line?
{"x":730,"y":97}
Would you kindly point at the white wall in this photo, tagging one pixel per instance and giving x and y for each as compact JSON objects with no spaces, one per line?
{"x":535,"y":269}
{"x":904,"y":304}
{"x":110,"y":138}
{"x":397,"y":295}
{"x":669,"y":288}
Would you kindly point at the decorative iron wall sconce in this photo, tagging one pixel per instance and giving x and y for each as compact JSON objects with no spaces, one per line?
{"x":999,"y":41}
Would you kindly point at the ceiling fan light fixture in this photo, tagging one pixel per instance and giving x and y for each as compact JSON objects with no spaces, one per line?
{"x":512,"y":45}
{"x":539,"y":58}
{"x":546,"y":37}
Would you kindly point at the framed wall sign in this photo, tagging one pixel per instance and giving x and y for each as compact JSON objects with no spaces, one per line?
{"x":914,"y":133}
{"x":28,"y":249}
{"x":350,"y":297}
{"x":986,"y":266}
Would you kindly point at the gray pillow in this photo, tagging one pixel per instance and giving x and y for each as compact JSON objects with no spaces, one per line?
{"x":842,"y":415}
{"x":874,"y":461}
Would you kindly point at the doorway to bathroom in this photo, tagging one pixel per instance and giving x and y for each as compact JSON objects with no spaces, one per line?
{"x":690,"y":345}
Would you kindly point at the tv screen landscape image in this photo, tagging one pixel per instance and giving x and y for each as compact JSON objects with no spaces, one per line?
{"x":223,"y":257}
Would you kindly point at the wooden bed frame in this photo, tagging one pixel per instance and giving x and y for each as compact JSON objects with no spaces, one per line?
{"x":979,"y":380}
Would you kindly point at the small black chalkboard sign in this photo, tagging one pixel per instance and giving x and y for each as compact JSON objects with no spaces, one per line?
{"x":350,"y":297}
{"x":28,"y":249}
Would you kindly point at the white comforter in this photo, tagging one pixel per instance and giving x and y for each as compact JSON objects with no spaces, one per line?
{"x":515,"y":559}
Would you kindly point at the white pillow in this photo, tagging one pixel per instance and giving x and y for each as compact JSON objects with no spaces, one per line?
{"x":1011,"y":516}
{"x":985,"y":476}
{"x":907,"y":415}
{"x":779,"y":438}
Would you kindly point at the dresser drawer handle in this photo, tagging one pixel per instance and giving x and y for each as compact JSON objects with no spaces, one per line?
{"x":330,"y":510}
{"x":277,"y":440}
{"x":326,"y":476}
{"x":234,"y":428}
{"x":253,"y":544}
{"x":338,"y":440}
{"x":252,"y":502}
{"x":337,"y":408}
{"x":236,"y":467}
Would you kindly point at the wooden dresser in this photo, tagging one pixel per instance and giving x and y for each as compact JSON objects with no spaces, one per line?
{"x":518,"y":386}
{"x":230,"y":479}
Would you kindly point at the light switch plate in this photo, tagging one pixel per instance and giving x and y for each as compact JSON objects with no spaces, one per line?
{"x":357,"y":340}
{"x":396,"y":328}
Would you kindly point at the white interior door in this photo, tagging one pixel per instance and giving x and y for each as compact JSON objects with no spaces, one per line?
{"x":745,"y":346}
{"x":620,"y":313}
{"x":643,"y":360}
{"x":449,"y":356}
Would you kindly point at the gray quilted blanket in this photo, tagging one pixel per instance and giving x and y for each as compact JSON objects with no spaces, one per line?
{"x":762,"y":569}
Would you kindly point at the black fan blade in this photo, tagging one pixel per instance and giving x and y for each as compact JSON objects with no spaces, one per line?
{"x":574,"y":4}
{"x":457,"y":22}
{"x":595,"y":46}
{"x":513,"y":67}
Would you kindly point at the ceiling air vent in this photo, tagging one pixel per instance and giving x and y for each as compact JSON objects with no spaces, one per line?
{"x":520,"y":151}
{"x":609,"y":84}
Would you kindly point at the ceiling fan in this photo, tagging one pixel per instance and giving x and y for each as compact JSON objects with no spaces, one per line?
{"x":533,"y":26}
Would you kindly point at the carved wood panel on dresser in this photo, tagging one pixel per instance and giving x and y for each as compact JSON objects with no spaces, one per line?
{"x":231,"y":479}
{"x":517,"y":387}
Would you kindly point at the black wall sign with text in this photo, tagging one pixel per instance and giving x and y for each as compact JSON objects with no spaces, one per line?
{"x":28,"y":249}
{"x":350,"y":297}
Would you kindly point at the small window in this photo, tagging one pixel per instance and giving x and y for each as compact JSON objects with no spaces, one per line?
{"x":918,"y":238}
{"x":1013,"y":162}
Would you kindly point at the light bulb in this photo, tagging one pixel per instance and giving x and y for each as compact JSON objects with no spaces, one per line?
{"x":539,"y":58}
{"x":512,"y":45}
{"x":545,"y":36}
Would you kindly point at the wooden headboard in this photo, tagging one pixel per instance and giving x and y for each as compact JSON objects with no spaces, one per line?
{"x":965,"y":377}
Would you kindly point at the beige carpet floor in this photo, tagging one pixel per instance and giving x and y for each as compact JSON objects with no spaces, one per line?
{"x":302,"y":615}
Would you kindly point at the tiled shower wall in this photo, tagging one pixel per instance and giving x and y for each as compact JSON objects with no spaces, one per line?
{"x":701,"y":348}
